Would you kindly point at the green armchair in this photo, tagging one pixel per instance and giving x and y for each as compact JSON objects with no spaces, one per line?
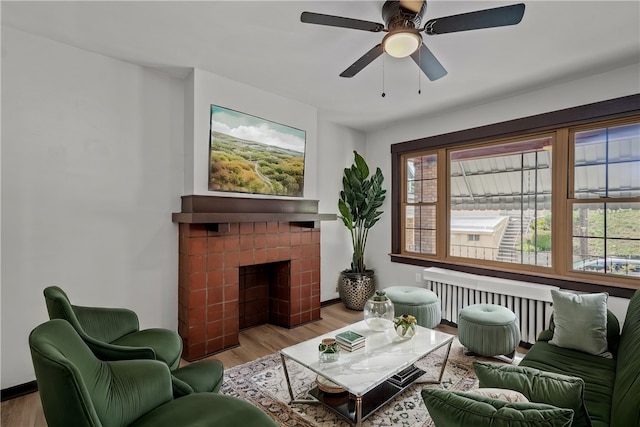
{"x":77,"y":389}
{"x":114,"y":333}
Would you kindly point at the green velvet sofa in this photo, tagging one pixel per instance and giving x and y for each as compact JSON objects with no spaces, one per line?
{"x":610,"y":395}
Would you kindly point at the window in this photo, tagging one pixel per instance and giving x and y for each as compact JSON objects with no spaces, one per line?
{"x":421,"y":197}
{"x":606,"y":238}
{"x":606,"y":220}
{"x":501,"y":192}
{"x":562,"y":202}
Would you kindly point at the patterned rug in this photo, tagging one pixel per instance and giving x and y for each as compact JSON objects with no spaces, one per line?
{"x":262,"y":383}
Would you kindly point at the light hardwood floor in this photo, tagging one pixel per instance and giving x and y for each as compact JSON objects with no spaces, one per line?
{"x":256,"y":342}
{"x":26,"y":411}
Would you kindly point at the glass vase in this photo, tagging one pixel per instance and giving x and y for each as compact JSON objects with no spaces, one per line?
{"x":379,"y":312}
{"x":407,"y":331}
{"x":405,"y":325}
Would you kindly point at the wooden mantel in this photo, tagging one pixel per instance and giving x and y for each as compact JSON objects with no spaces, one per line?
{"x":224,"y":210}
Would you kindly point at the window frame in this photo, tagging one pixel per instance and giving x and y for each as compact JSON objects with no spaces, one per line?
{"x":559,"y":123}
{"x":440,"y":186}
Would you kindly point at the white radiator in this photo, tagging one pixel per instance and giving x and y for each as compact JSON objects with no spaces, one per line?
{"x":530,"y":302}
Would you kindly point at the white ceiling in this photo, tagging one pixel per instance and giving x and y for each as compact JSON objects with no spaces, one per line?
{"x":264,"y":44}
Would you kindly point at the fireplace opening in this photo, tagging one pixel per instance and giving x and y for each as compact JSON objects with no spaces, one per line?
{"x":264,"y":294}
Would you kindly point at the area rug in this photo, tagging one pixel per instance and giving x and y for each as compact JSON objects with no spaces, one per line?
{"x":262,"y":383}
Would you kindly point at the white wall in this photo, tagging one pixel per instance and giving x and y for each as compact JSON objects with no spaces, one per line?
{"x":613,"y":84}
{"x":334,"y":152}
{"x":210,"y":89}
{"x":91,"y":171}
{"x":96,"y":153}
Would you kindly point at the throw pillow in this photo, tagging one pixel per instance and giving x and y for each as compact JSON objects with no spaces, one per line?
{"x":538,"y":386}
{"x":454,"y":409}
{"x":500,"y":394}
{"x":613,"y":332}
{"x":580,"y":322}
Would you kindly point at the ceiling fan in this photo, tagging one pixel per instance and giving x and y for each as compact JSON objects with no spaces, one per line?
{"x":403,"y":27}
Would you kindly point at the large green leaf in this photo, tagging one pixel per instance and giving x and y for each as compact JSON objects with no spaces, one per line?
{"x":361,"y":166}
{"x":346,"y":214}
{"x":371,"y":221}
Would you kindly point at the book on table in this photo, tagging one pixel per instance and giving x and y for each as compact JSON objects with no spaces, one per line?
{"x":350,"y":338}
{"x":407,"y":375}
{"x":351,"y":347}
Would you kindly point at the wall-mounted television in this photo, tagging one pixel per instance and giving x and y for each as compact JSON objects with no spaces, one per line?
{"x":248,"y":154}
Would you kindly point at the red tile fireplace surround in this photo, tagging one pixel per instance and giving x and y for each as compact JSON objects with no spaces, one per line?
{"x":218,"y":236}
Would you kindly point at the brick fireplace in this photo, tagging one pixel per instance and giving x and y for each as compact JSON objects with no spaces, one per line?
{"x":268,"y":249}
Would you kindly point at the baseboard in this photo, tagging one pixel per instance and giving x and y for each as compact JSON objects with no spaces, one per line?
{"x":448,"y":323}
{"x":329,"y":302}
{"x":19,"y":390}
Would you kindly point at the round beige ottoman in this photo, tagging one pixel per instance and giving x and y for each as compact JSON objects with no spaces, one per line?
{"x":488,"y":330}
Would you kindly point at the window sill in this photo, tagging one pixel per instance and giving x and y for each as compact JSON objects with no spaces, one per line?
{"x":572,"y":283}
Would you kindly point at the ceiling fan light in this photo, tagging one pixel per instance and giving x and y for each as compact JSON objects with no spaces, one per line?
{"x":401,"y":44}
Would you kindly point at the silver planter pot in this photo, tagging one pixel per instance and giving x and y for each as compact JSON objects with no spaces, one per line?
{"x":356,"y":288}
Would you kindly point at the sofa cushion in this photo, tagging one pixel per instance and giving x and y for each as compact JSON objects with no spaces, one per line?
{"x":202,"y":376}
{"x":538,"y":386}
{"x":580,"y":322}
{"x":455,"y":409}
{"x":166,"y":343}
{"x":597,"y":372}
{"x":625,"y":409}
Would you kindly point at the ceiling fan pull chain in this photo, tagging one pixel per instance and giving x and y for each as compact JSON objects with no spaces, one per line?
{"x":419,"y":72}
{"x":383,"y":94}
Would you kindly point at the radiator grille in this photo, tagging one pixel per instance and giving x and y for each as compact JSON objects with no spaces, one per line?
{"x":530,"y":302}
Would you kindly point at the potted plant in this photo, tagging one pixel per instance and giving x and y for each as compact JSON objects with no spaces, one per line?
{"x":360,"y":200}
{"x":405,"y":325}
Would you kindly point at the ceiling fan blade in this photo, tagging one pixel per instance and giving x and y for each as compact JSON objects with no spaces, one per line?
{"x":339,"y":21}
{"x":488,"y":18}
{"x":428,"y":63}
{"x":364,"y":60}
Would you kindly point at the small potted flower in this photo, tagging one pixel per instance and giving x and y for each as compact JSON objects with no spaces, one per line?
{"x":405,"y":325}
{"x":329,"y":350}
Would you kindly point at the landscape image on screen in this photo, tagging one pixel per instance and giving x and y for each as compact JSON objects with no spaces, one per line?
{"x":248,"y":154}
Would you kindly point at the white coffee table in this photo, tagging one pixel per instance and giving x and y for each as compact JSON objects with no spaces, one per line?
{"x":370,"y":374}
